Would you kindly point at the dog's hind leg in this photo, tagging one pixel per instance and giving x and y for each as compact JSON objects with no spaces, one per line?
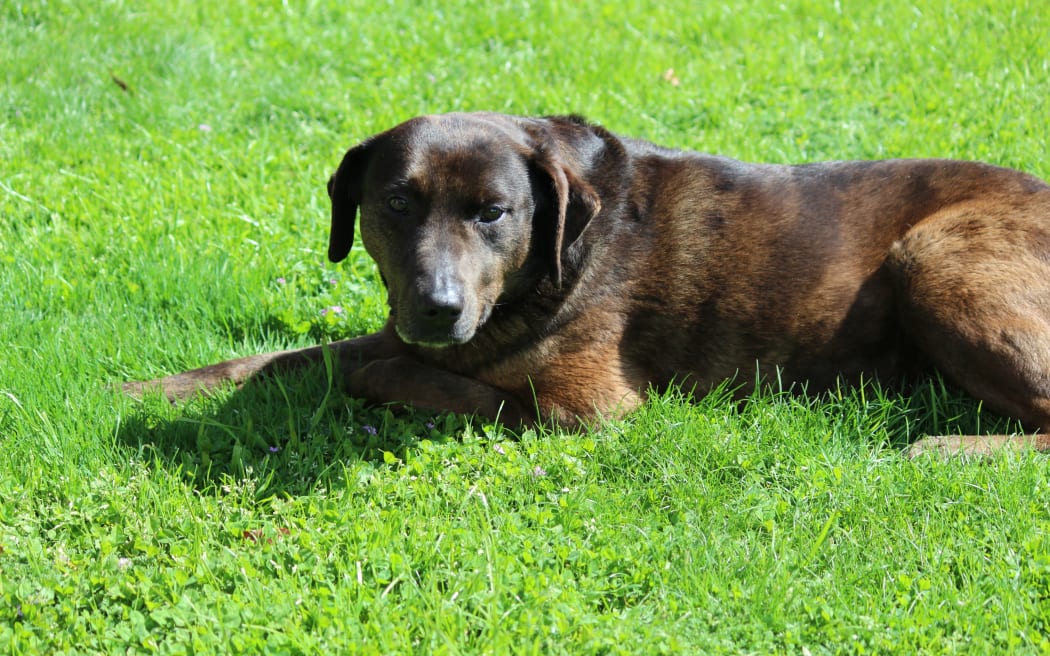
{"x":974,"y":287}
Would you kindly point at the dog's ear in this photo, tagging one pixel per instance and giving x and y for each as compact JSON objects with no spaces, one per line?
{"x":344,"y":190}
{"x":574,"y":200}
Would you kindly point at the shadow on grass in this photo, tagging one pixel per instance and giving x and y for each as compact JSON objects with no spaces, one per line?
{"x":872,"y":414}
{"x":294,"y":432}
{"x":898,"y":413}
{"x":290,"y":432}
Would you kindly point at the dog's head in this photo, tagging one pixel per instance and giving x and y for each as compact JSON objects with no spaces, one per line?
{"x":462,"y":212}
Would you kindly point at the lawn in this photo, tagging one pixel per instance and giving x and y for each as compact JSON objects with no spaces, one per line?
{"x":163,"y":206}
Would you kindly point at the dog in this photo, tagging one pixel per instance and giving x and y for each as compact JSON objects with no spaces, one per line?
{"x":548,"y":270}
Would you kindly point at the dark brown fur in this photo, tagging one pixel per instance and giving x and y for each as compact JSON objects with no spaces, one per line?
{"x":549,"y":264}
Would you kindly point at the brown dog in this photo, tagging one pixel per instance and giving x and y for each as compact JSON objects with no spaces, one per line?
{"x":546,"y":269}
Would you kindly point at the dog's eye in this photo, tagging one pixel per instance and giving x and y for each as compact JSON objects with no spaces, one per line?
{"x":397,"y":204}
{"x":490,"y":214}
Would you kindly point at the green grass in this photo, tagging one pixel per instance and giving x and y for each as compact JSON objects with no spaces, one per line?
{"x":183,"y":221}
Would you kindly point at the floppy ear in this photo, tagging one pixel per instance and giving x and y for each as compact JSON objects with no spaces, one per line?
{"x":575,"y":204}
{"x":344,"y":190}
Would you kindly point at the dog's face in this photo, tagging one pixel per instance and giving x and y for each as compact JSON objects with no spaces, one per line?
{"x":459,"y":212}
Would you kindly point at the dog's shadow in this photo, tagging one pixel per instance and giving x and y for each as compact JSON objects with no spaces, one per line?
{"x":286,"y":432}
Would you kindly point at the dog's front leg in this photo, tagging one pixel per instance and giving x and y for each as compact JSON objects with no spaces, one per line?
{"x":402,"y":380}
{"x":348,"y":354}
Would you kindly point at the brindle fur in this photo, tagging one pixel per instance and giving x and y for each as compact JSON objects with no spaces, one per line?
{"x":619,"y":266}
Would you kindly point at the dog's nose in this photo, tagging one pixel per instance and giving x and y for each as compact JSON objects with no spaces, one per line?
{"x":443,"y":306}
{"x":435,"y":317}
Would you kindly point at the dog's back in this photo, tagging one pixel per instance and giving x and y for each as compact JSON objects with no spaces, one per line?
{"x":738,"y":267}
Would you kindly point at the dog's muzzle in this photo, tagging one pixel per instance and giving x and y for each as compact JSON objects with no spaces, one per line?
{"x":441,"y":317}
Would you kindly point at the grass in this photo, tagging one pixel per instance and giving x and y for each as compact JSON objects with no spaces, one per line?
{"x":162,"y":170}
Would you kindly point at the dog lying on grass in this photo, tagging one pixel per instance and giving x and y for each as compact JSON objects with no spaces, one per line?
{"x":547,"y":270}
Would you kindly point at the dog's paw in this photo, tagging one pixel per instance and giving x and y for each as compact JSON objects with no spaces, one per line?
{"x":971,"y":446}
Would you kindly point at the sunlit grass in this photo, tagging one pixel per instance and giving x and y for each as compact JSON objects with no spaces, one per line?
{"x":162,"y":206}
